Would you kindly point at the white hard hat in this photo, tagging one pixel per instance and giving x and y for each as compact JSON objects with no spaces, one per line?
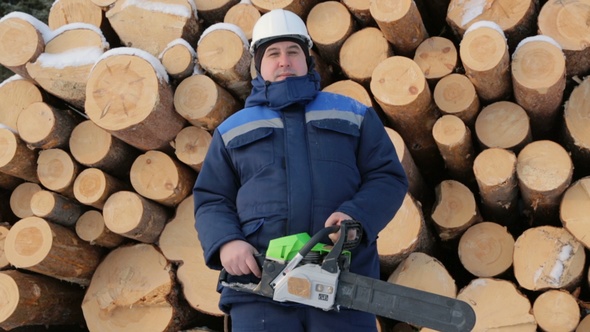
{"x":278,"y":23}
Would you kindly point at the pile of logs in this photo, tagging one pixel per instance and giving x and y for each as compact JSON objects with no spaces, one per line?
{"x":106,"y":122}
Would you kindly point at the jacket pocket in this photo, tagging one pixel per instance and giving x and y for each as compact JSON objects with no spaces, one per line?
{"x":252,"y":151}
{"x":335,"y":141}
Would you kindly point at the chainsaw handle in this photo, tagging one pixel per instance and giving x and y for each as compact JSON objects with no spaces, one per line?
{"x":330,"y":263}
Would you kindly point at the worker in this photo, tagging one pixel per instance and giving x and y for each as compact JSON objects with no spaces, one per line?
{"x":294,"y":160}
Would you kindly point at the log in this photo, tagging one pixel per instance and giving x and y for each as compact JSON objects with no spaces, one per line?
{"x":95,"y":147}
{"x":162,"y":178}
{"x":64,"y":12}
{"x":405,"y":234}
{"x":485,"y":249}
{"x":567,"y":23}
{"x":132,"y":21}
{"x":146,"y":120}
{"x":544,"y":170}
{"x":455,"y":210}
{"x":22,"y":40}
{"x":498,"y":304}
{"x":31,"y":299}
{"x":400,"y":88}
{"x":517,"y":18}
{"x":417,"y":184}
{"x":576,"y":114}
{"x":350,"y":89}
{"x":455,"y":95}
{"x":330,"y":24}
{"x":548,"y":257}
{"x":179,"y":242}
{"x":4,"y":228}
{"x":300,"y":8}
{"x":359,"y":66}
{"x":401,"y":24}
{"x":20,"y":199}
{"x":37,"y":245}
{"x":191,"y":146}
{"x":213,"y":11}
{"x":43,"y":126}
{"x":129,"y":214}
{"x":244,"y":15}
{"x":179,"y":58}
{"x":556,"y":310}
{"x":57,"y":171}
{"x":538,"y":80}
{"x":503,"y":124}
{"x":495,"y":173}
{"x":486,"y":59}
{"x":437,"y":57}
{"x":91,"y":228}
{"x":454,"y":141}
{"x":223,"y":53}
{"x":204,"y":103}
{"x":574,"y":211}
{"x":93,"y":187}
{"x":361,"y":11}
{"x":63,"y":67}
{"x":134,"y":281}
{"x":17,"y":93}
{"x":56,"y":208}
{"x":16,"y":158}
{"x":584,"y":324}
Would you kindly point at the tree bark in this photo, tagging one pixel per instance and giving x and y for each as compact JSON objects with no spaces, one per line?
{"x":148,"y":120}
{"x":541,"y":193}
{"x":180,"y":243}
{"x":538,"y":78}
{"x":57,"y":171}
{"x":134,"y":281}
{"x":548,"y":257}
{"x":507,"y":118}
{"x":30,"y":299}
{"x":437,"y":57}
{"x":191,"y":146}
{"x":129,"y":214}
{"x":495,"y":173}
{"x":93,"y":187}
{"x":485,"y":249}
{"x":22,"y":40}
{"x":16,"y":158}
{"x":43,"y":126}
{"x":224,"y":55}
{"x":133,"y":21}
{"x":20,"y":199}
{"x":499,"y":305}
{"x":455,"y":210}
{"x":455,"y":95}
{"x":574,"y":210}
{"x":567,"y":23}
{"x":486,"y":59}
{"x":204,"y":103}
{"x":56,"y":208}
{"x":162,"y":178}
{"x":91,"y":228}
{"x":50,"y":249}
{"x":556,"y":310}
{"x":9,"y":182}
{"x":329,"y":25}
{"x":95,"y":147}
{"x":401,"y":24}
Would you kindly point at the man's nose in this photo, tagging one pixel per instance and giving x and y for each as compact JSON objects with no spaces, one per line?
{"x":284,"y":60}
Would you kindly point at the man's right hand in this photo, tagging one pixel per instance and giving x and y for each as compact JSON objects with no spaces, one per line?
{"x":237,"y":258}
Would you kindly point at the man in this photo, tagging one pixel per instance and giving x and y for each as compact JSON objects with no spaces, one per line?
{"x":293,"y":160}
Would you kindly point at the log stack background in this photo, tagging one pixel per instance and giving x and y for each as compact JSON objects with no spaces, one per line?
{"x":110,"y":112}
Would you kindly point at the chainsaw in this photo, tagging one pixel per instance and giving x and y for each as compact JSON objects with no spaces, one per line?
{"x":298,"y":268}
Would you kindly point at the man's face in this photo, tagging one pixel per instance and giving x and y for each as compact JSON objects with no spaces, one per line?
{"x":281,"y":60}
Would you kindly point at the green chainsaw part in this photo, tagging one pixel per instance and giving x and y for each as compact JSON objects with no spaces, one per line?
{"x":283,"y":249}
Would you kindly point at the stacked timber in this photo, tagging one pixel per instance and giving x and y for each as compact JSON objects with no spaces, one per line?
{"x":103,"y":132}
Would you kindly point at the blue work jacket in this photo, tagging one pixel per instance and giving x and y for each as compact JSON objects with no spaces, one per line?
{"x":271,"y":172}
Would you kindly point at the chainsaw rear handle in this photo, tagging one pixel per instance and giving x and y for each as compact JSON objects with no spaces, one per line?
{"x":330,"y":263}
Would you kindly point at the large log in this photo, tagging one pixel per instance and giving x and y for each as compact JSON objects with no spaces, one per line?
{"x":244,"y":15}
{"x":17,"y":93}
{"x":57,"y":170}
{"x":93,"y":187}
{"x":213,"y":11}
{"x":134,"y":281}
{"x":350,"y":89}
{"x":455,"y":210}
{"x":361,"y":11}
{"x":548,"y":257}
{"x":31,"y":299}
{"x":359,"y":66}
{"x":438,"y":57}
{"x":574,"y":210}
{"x":503,"y":124}
{"x":37,"y":245}
{"x":498,"y":304}
{"x":91,"y":228}
{"x":64,"y":12}
{"x":329,"y":24}
{"x":576,"y":114}
{"x":179,"y":243}
{"x":179,"y":58}
{"x":191,"y":146}
{"x":556,"y":310}
{"x":20,"y":199}
{"x":455,"y":95}
{"x":128,"y":94}
{"x":57,"y":208}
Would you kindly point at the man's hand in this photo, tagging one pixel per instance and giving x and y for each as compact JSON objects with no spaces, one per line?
{"x":237,"y":258}
{"x":336,"y":218}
